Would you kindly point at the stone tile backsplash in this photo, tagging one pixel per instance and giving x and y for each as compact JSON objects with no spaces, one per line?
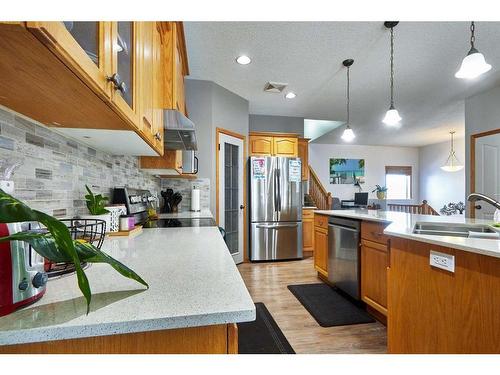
{"x":184,"y":186}
{"x":54,"y":169}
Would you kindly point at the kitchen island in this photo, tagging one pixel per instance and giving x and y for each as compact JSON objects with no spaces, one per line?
{"x":440,"y":293}
{"x":195,"y":298}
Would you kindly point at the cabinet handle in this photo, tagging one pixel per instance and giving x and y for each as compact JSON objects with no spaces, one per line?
{"x":118,"y":84}
{"x":158,"y":136}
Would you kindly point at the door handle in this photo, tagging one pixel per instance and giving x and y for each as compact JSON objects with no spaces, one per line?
{"x":242,"y":207}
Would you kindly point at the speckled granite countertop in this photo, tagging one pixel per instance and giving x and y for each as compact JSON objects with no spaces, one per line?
{"x":203,"y":214}
{"x":402,"y":225}
{"x":193,"y":282}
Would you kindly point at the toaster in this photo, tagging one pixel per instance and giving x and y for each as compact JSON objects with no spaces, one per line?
{"x":22,"y":277}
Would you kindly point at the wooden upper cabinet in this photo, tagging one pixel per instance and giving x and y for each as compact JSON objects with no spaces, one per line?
{"x":124,"y":78}
{"x":150,"y":81}
{"x":261,"y":145}
{"x":175,"y":66}
{"x":273,"y":144}
{"x":84,"y":46}
{"x":303,"y":153}
{"x":285,"y":146}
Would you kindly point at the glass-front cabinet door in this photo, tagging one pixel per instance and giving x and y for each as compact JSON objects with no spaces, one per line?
{"x":84,"y":46}
{"x":124,"y":71}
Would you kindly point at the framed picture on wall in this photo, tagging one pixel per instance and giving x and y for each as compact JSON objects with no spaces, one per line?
{"x":347,"y":171}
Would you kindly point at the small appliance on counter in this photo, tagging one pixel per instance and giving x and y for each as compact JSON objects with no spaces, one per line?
{"x":22,"y":277}
{"x":137,"y":202}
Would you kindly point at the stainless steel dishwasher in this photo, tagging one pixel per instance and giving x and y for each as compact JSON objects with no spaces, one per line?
{"x":343,"y":255}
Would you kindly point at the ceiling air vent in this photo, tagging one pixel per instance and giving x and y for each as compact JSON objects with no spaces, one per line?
{"x":275,"y":87}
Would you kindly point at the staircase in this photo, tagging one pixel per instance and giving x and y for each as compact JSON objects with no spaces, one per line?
{"x":322,"y":198}
{"x":421,"y":209}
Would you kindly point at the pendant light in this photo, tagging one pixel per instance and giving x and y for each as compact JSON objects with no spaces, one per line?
{"x":392,"y":117}
{"x":452,"y":164}
{"x":348,"y":134}
{"x":474,"y":64}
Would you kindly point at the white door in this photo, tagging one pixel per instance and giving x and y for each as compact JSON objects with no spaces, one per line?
{"x":487,"y":172}
{"x":231,"y":187}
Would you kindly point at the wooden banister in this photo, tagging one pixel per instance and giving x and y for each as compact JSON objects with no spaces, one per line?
{"x":420,"y":209}
{"x":322,"y":199}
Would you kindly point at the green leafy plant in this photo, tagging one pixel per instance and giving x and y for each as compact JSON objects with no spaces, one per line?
{"x":95,"y":203}
{"x":57,"y":245}
{"x":379,"y":189}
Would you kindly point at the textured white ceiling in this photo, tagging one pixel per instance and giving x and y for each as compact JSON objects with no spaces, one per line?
{"x":309,"y":55}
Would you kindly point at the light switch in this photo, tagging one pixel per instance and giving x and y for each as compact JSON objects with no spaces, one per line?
{"x":441,"y":260}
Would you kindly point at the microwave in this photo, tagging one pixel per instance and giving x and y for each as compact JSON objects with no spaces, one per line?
{"x":189,"y":162}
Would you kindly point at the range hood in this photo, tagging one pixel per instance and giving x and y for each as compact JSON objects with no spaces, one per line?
{"x":179,"y":131}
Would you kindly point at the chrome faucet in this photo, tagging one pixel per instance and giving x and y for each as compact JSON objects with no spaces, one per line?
{"x":481,"y":197}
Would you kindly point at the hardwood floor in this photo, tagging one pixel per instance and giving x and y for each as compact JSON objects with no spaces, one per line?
{"x":267,"y":283}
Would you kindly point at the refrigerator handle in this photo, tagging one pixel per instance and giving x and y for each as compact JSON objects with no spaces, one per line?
{"x":279,"y":188}
{"x":275,"y":190}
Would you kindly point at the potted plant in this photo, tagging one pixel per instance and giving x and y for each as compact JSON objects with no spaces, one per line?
{"x":56,"y":244}
{"x":96,"y":206}
{"x":381,"y":191}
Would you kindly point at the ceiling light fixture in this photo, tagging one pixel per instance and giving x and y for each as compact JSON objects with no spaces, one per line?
{"x":348,"y":134}
{"x":452,"y":164}
{"x":392,"y":117}
{"x":243,"y":60}
{"x":290,"y":95}
{"x":474,"y":64}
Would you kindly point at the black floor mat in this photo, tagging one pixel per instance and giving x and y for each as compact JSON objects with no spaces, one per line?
{"x":262,"y":336}
{"x":328,"y":306}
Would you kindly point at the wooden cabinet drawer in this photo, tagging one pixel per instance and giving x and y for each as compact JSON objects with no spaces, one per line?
{"x":373,"y":231}
{"x":307,"y":214}
{"x":321,"y":221}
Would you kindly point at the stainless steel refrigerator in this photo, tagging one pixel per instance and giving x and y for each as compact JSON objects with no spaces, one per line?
{"x":275,"y":208}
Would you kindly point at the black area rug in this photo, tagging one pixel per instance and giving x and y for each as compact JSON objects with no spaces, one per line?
{"x":262,"y":336}
{"x":329,"y":307}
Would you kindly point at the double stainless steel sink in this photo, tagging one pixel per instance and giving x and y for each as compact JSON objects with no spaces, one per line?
{"x":455,"y":230}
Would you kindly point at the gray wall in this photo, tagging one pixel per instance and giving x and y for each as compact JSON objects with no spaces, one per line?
{"x":211,"y":106}
{"x":282,"y":124}
{"x":482,"y":113}
{"x":54,"y":169}
{"x":437,"y":186}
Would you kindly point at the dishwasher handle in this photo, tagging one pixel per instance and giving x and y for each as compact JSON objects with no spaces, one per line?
{"x":343,"y":227}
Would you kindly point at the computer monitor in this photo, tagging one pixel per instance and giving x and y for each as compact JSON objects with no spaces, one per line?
{"x":361,"y":199}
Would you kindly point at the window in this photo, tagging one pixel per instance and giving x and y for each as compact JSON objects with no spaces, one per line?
{"x":398,"y":182}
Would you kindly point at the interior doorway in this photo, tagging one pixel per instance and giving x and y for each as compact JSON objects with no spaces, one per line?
{"x":230,"y":186}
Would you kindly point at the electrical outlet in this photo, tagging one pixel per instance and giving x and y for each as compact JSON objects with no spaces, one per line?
{"x":441,"y":260}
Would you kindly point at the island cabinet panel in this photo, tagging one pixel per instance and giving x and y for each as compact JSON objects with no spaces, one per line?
{"x":374,"y":275}
{"x":261,"y":145}
{"x":321,"y":244}
{"x":308,"y":230}
{"x":216,"y":339}
{"x":435,"y":311}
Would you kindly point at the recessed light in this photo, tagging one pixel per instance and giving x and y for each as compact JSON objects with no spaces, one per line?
{"x":290,"y":95}
{"x":243,"y":60}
